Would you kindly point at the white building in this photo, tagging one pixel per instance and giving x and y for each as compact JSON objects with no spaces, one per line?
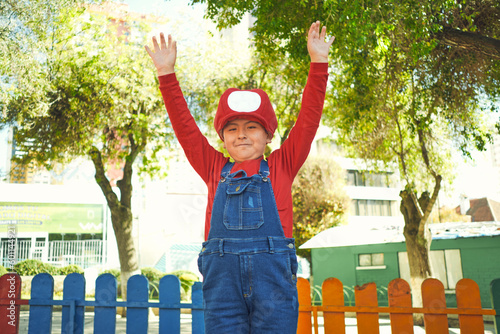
{"x":374,"y":195}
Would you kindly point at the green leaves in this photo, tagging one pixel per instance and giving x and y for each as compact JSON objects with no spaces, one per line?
{"x":403,"y":77}
{"x":87,"y":84}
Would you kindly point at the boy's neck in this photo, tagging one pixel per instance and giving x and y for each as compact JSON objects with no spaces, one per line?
{"x":251,"y":167}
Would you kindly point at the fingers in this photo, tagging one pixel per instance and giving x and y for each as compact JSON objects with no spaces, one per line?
{"x":323,"y":33}
{"x":163,"y":44}
{"x":150,"y":53}
{"x":330,"y":42}
{"x":162,"y":40}
{"x":155,"y":44}
{"x":315,"y":32}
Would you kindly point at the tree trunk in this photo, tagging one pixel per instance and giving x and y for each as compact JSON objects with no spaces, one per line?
{"x":121,"y":218}
{"x":418,"y":241}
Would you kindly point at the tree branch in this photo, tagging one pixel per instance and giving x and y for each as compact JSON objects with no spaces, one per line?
{"x":125,"y":184}
{"x":470,"y":41}
{"x":430,"y":204}
{"x":102,"y":180}
{"x":437,"y":178}
{"x":403,"y":164}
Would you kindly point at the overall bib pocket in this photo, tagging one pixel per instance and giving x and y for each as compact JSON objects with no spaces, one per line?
{"x":243,"y":207}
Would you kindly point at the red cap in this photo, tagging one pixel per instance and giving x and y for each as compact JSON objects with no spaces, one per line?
{"x":252,"y":104}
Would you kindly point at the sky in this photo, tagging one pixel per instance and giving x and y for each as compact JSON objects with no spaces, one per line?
{"x":155,"y":6}
{"x":148,"y":6}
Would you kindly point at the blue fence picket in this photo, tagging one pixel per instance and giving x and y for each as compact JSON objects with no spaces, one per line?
{"x":198,"y":320}
{"x":137,"y":307}
{"x":170,"y":295}
{"x":105,"y":308}
{"x":73,"y":312}
{"x":40,"y":316}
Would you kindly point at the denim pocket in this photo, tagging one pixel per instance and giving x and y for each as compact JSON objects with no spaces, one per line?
{"x":243,"y":207}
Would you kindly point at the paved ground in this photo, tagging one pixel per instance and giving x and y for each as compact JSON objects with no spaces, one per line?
{"x":121,"y":323}
{"x":385,"y":327}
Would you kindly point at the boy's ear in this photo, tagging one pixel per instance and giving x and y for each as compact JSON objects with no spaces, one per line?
{"x":269,"y":137}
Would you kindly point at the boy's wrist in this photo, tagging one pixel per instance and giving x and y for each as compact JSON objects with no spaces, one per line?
{"x":165,"y":71}
{"x":319,"y":59}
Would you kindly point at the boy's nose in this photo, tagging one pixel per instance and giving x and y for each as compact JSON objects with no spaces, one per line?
{"x":242,"y":133}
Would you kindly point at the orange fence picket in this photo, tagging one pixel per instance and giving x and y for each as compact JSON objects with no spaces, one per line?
{"x":433,"y":298}
{"x":366,"y":295}
{"x":304,"y":290}
{"x":333,"y":295}
{"x":468,"y":298}
{"x":400,"y":297}
{"x":400,"y":308}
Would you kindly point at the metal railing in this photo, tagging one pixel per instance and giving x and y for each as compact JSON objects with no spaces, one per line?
{"x":84,"y":253}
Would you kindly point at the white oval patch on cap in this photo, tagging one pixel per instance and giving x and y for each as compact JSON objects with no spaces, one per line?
{"x":244,"y":101}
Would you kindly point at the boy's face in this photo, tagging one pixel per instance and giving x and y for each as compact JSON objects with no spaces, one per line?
{"x":245,"y":139}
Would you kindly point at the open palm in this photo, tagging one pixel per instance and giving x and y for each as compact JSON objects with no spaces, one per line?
{"x":163,"y":54}
{"x":316,"y":45}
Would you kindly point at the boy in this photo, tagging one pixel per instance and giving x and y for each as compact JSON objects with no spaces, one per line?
{"x":248,"y":260}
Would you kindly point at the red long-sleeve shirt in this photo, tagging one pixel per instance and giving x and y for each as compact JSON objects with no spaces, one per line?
{"x":284,"y":163}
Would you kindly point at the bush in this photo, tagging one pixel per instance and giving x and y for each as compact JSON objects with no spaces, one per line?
{"x":34,"y":267}
{"x":72,"y":268}
{"x":152,"y":274}
{"x":187,"y":279}
{"x":115,"y":272}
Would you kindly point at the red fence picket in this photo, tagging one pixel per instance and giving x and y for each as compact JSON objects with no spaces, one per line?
{"x":10,"y":294}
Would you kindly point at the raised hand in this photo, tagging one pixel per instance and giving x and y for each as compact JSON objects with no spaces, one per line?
{"x":164,"y":55}
{"x":316,"y":45}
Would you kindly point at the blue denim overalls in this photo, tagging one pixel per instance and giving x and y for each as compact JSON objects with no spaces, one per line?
{"x":249,"y":267}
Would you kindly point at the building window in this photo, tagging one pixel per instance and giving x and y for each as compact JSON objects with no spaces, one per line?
{"x":363,"y":207}
{"x":371,"y":260}
{"x":446,"y":266}
{"x":367,"y":179}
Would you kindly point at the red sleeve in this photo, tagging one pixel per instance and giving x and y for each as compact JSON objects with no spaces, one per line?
{"x":285,"y":162}
{"x":200,"y":154}
{"x":294,"y":151}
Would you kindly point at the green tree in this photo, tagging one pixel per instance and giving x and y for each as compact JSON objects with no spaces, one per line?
{"x":410,"y":82}
{"x":21,"y":24}
{"x":92,"y":94}
{"x":319,"y":201}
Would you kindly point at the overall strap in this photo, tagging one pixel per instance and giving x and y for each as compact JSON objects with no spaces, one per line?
{"x":264,"y":169}
{"x":226,"y":170}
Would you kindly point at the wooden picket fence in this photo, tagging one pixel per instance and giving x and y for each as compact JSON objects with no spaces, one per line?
{"x":105,"y":305}
{"x":400,"y":310}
